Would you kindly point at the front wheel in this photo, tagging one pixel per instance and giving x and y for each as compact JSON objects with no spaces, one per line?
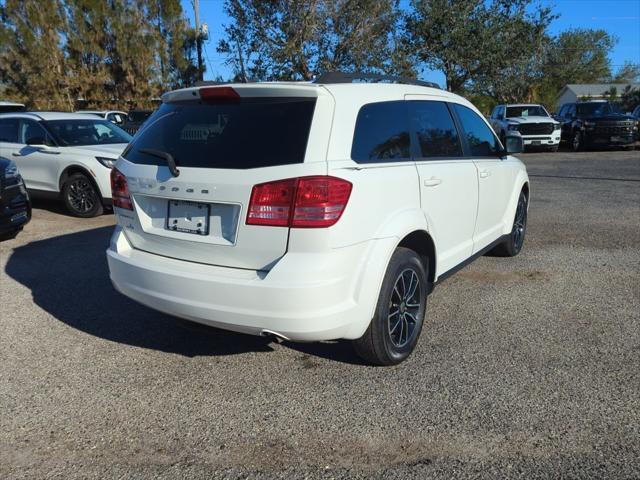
{"x":577,"y":141}
{"x":81,"y":196}
{"x":395,"y":328}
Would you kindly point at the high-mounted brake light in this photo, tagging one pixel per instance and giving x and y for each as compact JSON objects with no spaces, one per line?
{"x":219,"y":94}
{"x":305,"y":202}
{"x":120,"y":190}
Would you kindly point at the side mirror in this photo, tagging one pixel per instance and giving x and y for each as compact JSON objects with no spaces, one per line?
{"x":514,"y":144}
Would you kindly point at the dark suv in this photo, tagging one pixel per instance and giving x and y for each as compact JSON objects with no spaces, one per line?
{"x":596,"y":123}
{"x":15,"y":206}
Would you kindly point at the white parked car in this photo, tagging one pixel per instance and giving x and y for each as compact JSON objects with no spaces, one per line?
{"x":114,"y":116}
{"x":312,"y":211}
{"x":68,"y":155}
{"x":531,"y":121}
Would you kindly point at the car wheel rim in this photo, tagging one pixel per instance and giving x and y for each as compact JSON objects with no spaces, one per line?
{"x":404,"y":308}
{"x":81,"y":195}
{"x":520,"y":223}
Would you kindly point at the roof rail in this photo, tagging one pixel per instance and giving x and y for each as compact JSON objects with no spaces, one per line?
{"x":341,"y":77}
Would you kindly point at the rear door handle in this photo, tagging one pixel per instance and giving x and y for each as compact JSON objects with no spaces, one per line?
{"x":485,"y":173}
{"x":432,"y":182}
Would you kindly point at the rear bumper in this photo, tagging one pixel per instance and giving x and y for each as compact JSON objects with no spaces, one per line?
{"x":304,"y":297}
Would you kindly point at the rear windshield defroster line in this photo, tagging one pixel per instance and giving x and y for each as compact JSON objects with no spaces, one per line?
{"x":251,"y":133}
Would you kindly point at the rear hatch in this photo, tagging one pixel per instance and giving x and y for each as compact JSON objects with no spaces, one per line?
{"x":224,"y":141}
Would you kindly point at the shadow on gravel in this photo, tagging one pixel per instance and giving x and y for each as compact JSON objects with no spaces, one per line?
{"x":68,"y":277}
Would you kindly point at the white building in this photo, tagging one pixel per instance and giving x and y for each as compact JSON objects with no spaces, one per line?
{"x":574,"y":92}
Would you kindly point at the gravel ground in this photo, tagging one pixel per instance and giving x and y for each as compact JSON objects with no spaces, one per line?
{"x":527,"y":367}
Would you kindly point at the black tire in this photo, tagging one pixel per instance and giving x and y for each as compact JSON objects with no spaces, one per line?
{"x":513,"y":244}
{"x":577,"y":142}
{"x":81,"y":196}
{"x":391,"y":337}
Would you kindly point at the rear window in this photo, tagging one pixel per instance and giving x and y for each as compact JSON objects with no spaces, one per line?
{"x":251,"y":133}
{"x":9,"y":130}
{"x":381,"y":133}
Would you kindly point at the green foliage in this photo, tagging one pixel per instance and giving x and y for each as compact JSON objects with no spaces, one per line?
{"x":119,"y":53}
{"x":297,"y":39}
{"x":575,"y":56}
{"x":628,"y":73}
{"x":629,"y":99}
{"x":110,"y":53}
{"x":489,"y":44}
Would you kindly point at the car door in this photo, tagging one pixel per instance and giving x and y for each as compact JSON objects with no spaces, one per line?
{"x":448,"y":180}
{"x":39,"y":166}
{"x":495,"y":177}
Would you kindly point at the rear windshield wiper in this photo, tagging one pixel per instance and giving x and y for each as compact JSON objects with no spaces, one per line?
{"x":171,"y":163}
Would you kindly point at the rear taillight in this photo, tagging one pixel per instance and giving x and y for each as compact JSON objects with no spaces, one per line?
{"x":120,"y":190}
{"x":305,"y":202}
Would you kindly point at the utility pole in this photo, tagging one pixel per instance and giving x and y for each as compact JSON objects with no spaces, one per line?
{"x":242,"y":72}
{"x":196,"y":12}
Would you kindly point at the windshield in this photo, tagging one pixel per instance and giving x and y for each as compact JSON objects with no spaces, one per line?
{"x":251,"y":133}
{"x":527,"y":111}
{"x":139,"y":116}
{"x":87,"y":132}
{"x":596,"y":109}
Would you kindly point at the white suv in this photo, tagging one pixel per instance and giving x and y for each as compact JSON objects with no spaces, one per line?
{"x":64,"y":155}
{"x":312,"y":211}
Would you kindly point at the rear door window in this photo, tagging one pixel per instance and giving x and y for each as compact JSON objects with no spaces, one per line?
{"x":434,"y":129}
{"x":9,"y":130}
{"x":250,"y":133}
{"x":481,"y":140}
{"x":32,"y":132}
{"x":381,"y":133}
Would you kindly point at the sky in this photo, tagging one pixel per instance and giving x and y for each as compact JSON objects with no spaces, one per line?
{"x":621,"y":18}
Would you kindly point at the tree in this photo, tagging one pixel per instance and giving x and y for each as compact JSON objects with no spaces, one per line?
{"x":628,"y":73}
{"x":575,"y":56}
{"x":32,"y":66}
{"x":111,"y":53}
{"x":297,"y":39}
{"x":475,"y":40}
{"x":630,"y":98}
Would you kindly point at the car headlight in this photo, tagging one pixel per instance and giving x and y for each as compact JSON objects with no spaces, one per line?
{"x":513,"y":127}
{"x":556,"y":126}
{"x":11,"y":170}
{"x":107,"y":162}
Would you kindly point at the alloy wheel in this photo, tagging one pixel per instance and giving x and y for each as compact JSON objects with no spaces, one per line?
{"x":404,"y":308}
{"x":81,"y":195}
{"x":520,"y":223}
{"x":576,"y":141}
